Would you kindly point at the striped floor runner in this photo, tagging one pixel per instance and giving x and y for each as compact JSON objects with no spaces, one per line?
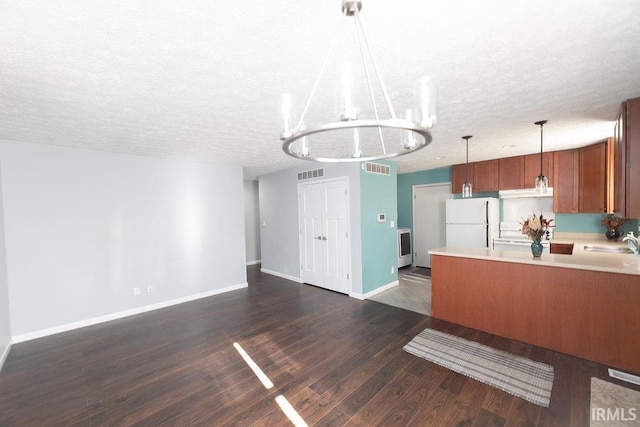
{"x":522,"y":377}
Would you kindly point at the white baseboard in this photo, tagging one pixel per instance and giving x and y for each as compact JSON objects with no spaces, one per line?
{"x":113,"y":316}
{"x":258,"y":261}
{"x":5,"y":353}
{"x":375,"y":291}
{"x":284,"y":276}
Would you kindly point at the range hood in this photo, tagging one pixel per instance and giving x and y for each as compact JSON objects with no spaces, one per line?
{"x":524,"y":192}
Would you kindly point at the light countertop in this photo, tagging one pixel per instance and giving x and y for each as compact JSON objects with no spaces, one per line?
{"x":580,"y":259}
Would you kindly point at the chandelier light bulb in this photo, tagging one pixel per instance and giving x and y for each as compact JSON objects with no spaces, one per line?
{"x":409,"y":140}
{"x":286,"y":114}
{"x":424,"y":96}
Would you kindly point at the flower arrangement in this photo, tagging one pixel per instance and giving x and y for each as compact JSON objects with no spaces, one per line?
{"x":613,"y":222}
{"x":536,"y":227}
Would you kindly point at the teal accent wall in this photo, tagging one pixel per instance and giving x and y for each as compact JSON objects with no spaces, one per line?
{"x":587,"y":223}
{"x":406,"y":181}
{"x":378,"y":194}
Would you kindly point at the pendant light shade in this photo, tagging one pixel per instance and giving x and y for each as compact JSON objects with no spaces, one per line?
{"x":542,"y":183}
{"x":466,"y":187}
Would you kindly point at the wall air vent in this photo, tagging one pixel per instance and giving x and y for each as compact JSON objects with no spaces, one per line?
{"x":634,"y":379}
{"x":316,"y":173}
{"x":378,"y":168}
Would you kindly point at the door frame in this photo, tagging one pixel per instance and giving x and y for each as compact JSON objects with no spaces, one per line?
{"x":345,"y":180}
{"x":413,"y":211}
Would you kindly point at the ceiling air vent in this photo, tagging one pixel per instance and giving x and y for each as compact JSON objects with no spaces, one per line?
{"x":316,"y":173}
{"x":377,"y":168}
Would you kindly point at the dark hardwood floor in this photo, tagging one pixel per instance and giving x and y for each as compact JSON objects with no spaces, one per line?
{"x":336,"y":359}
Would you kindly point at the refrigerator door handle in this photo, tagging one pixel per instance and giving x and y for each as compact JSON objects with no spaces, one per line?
{"x":486,"y":215}
{"x":487,"y":237}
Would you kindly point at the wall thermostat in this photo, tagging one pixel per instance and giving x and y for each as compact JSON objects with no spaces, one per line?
{"x":382,"y":217}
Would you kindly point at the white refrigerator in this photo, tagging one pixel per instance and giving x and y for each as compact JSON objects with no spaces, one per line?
{"x":472,"y":223}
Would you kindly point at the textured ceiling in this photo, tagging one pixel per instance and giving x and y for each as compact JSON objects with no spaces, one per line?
{"x":201,"y":80}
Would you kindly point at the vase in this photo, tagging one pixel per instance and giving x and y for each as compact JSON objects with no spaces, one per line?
{"x":612,"y":234}
{"x":536,"y":248}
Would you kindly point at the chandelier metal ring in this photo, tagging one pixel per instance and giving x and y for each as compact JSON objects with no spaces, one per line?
{"x":398,"y":124}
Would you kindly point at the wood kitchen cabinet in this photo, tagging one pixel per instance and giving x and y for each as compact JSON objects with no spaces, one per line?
{"x":459,"y":176}
{"x":566,"y":168}
{"x":511,"y":173}
{"x":626,"y":201}
{"x":485,"y":176}
{"x":522,"y":171}
{"x":532,"y":168}
{"x":593,"y":178}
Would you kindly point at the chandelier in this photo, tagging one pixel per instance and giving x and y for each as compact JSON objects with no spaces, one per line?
{"x":358,"y":130}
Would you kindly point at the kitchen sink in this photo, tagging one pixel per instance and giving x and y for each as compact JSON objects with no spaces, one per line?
{"x":608,"y":249}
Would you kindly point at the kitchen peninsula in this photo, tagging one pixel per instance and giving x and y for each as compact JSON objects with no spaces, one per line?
{"x":586,"y":304}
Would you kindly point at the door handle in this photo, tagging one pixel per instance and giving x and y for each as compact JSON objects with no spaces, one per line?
{"x":324,"y":237}
{"x":321,"y":238}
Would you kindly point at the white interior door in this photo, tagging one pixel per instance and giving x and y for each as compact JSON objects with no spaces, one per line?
{"x":324,"y":238}
{"x":429,"y":227}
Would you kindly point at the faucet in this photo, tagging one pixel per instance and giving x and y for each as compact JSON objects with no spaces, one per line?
{"x":634,"y":241}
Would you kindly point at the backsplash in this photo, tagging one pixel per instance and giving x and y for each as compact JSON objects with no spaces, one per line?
{"x":587,"y":223}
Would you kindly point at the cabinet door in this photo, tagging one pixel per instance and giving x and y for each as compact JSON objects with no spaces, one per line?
{"x":619,"y":152}
{"x":459,"y":176}
{"x":632,"y":161}
{"x":511,"y":173}
{"x":565,"y":181}
{"x":485,"y":176}
{"x":532,"y":168}
{"x":593,"y":179}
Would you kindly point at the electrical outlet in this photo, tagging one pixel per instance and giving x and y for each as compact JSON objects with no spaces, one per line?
{"x":149,"y":289}
{"x":136,"y":292}
{"x":393,"y":269}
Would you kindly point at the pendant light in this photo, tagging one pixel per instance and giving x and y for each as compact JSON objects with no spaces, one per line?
{"x":542,"y":183}
{"x":466,"y":187}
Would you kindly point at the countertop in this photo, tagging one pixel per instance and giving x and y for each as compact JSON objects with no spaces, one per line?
{"x":580,"y":259}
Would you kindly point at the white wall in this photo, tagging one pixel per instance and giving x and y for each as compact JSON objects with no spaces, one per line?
{"x":5,"y":324}
{"x":252,"y":221}
{"x":83,"y":228}
{"x":279,"y":219}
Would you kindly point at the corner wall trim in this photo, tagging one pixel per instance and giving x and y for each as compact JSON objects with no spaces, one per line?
{"x":284,"y":276}
{"x":5,"y":353}
{"x":258,"y":261}
{"x":375,"y":291}
{"x":113,"y":316}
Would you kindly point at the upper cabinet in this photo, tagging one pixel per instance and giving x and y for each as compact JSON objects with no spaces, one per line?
{"x":522,"y":171}
{"x":482,"y":175}
{"x":459,"y":176}
{"x":593,"y":192}
{"x":627,"y":160}
{"x":511,"y":173}
{"x":566,"y":164}
{"x":532,"y":168}
{"x":485,"y":176}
